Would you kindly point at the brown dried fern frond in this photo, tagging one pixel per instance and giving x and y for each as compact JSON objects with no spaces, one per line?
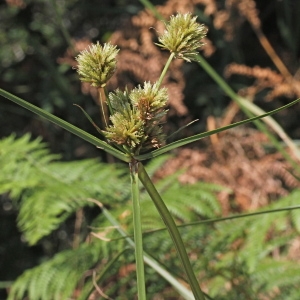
{"x":238,"y":161}
{"x":247,"y":8}
{"x":265,"y":78}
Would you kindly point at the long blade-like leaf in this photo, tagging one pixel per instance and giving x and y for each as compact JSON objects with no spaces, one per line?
{"x":173,"y":231}
{"x":200,"y":136}
{"x":60,"y":122}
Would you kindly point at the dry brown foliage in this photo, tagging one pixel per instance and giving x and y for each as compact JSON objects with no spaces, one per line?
{"x":17,"y":3}
{"x":265,"y":78}
{"x":237,"y":160}
{"x":140,"y":60}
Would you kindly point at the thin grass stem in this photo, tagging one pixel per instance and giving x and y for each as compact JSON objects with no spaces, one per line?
{"x":150,"y":261}
{"x":248,"y":110}
{"x":86,"y":294}
{"x":152,"y":8}
{"x":137,"y":225}
{"x":108,"y":101}
{"x":233,"y":217}
{"x":202,"y":135}
{"x":101,"y":101}
{"x":164,"y":71}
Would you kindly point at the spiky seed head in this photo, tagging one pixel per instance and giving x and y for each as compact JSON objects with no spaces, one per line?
{"x":149,"y":97}
{"x":126,"y":129}
{"x":97,"y":64}
{"x":183,"y":36}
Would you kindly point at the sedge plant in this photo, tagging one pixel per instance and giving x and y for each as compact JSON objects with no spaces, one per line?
{"x":133,"y":129}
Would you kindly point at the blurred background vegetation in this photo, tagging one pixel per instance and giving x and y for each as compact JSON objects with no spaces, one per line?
{"x":39,"y":40}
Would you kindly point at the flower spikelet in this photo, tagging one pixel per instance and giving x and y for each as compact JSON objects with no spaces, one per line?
{"x":183,"y":36}
{"x":127,"y":129}
{"x":97,"y":64}
{"x":149,"y":99}
{"x":120,"y":101}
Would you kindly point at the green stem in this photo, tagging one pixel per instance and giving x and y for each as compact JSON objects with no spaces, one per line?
{"x":215,"y":220}
{"x":101,"y":101}
{"x":150,"y":261}
{"x":108,"y":101}
{"x":62,"y":27}
{"x":173,"y":230}
{"x":164,"y":71}
{"x":138,"y":237}
{"x":152,"y":8}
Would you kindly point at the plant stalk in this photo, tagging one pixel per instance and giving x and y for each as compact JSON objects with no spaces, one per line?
{"x":149,"y":260}
{"x":101,"y":102}
{"x":138,"y":237}
{"x":164,"y":71}
{"x":173,"y":231}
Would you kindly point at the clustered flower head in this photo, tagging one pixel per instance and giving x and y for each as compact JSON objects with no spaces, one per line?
{"x":136,"y":115}
{"x":97,"y":64}
{"x":136,"y":121}
{"x":183,"y":36}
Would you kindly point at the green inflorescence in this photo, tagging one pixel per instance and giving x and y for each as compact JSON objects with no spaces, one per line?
{"x":183,"y":36}
{"x":97,"y":64}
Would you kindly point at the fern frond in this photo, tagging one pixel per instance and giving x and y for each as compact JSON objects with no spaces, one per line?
{"x":57,"y":278}
{"x":49,"y":191}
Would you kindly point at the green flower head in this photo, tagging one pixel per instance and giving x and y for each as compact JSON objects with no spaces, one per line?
{"x":149,"y":99}
{"x":97,"y":64}
{"x":183,"y":36}
{"x":126,"y":130}
{"x":136,"y":118}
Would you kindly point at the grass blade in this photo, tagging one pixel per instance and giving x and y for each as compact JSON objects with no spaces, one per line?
{"x":71,"y":128}
{"x":173,"y":231}
{"x":200,"y":136}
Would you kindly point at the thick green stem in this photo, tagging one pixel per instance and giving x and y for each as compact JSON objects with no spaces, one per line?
{"x":173,"y":230}
{"x":164,"y":71}
{"x":138,"y":237}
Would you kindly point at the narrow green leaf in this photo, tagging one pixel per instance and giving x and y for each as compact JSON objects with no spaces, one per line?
{"x":71,"y":128}
{"x":173,"y":231}
{"x":200,"y":136}
{"x":232,"y":217}
{"x":152,"y":8}
{"x":90,"y":119}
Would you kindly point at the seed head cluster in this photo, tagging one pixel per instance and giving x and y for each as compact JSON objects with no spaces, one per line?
{"x":136,"y":121}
